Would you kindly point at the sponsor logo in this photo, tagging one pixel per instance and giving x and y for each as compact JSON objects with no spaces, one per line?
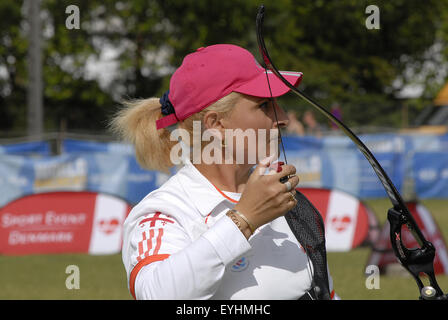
{"x":27,"y":238}
{"x":240,"y":265}
{"x":53,"y":175}
{"x":48,"y":220}
{"x":427,"y":175}
{"x":108,"y":226}
{"x":341,"y":223}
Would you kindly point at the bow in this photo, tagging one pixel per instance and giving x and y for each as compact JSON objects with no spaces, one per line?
{"x":417,"y":261}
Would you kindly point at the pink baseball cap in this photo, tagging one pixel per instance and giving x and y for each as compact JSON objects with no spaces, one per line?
{"x":213,"y":72}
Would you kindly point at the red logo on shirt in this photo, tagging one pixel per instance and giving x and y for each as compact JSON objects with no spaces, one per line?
{"x":153,"y":220}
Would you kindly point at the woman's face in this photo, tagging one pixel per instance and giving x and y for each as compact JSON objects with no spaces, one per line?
{"x":254,"y":128}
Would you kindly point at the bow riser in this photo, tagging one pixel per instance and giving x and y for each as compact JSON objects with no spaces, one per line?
{"x":417,"y":261}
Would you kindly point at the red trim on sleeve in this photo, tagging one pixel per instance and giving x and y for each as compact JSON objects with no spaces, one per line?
{"x":158,"y":242}
{"x":332,"y":295}
{"x":140,"y":247}
{"x":140,"y":265}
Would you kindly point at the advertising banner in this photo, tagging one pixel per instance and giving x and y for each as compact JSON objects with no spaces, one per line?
{"x":27,"y":148}
{"x":346,"y":217}
{"x":431,"y":174}
{"x":336,"y":163}
{"x":113,"y":173}
{"x":332,"y":162}
{"x":74,"y":146}
{"x":63,"y":222}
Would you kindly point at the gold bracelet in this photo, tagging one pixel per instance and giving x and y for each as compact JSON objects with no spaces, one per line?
{"x":251,"y":227}
{"x":235,"y":220}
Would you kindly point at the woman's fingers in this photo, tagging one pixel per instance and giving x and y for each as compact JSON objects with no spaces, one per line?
{"x":265,"y":198}
{"x":284,"y":180}
{"x":288,"y":200}
{"x":287,"y":170}
{"x":293,"y":182}
{"x":282,"y":175}
{"x":263,"y":166}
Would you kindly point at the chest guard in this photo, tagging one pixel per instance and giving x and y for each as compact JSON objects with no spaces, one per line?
{"x":307,"y":225}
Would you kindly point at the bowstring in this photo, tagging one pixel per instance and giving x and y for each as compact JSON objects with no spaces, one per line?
{"x":286,"y":162}
{"x":276,"y":118}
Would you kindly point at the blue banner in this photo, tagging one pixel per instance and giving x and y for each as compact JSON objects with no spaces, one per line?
{"x":74,"y":146}
{"x":336,"y":162}
{"x":116,"y":174}
{"x":330,"y":162}
{"x":41,"y":148}
{"x":431,"y":174}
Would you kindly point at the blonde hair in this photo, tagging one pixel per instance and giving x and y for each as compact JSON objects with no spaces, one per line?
{"x":136,"y":123}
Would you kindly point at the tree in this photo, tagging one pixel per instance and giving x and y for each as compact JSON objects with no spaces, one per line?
{"x":13,"y":47}
{"x":363,"y":70}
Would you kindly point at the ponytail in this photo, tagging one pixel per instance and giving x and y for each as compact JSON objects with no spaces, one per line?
{"x":136,"y":123}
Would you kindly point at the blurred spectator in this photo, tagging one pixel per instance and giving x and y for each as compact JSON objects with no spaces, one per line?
{"x":294,"y":127}
{"x":312,"y":127}
{"x":337,"y":113}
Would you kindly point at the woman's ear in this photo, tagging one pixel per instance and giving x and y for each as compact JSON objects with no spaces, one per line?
{"x":214,"y":123}
{"x":212,"y":120}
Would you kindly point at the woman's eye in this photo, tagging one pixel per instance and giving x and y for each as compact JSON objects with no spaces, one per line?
{"x":264,"y":105}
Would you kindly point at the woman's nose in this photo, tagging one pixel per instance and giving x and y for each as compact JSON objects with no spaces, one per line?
{"x":281,"y":116}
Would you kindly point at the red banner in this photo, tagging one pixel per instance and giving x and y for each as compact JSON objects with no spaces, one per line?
{"x":63,"y":222}
{"x":346,"y":217}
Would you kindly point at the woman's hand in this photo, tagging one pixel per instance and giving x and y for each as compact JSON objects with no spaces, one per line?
{"x":264,"y":197}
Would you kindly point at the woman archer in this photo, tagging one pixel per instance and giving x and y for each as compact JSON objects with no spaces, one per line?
{"x":214,"y":230}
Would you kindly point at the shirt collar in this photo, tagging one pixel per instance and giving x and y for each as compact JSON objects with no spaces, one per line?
{"x":204,"y":194}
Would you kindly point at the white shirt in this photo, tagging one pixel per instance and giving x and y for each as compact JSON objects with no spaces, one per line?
{"x":178,"y":243}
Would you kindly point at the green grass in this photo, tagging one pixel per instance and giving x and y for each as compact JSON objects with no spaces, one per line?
{"x":103,"y":277}
{"x":43,"y":277}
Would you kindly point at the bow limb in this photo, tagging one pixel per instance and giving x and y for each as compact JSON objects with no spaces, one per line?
{"x":416,"y":261}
